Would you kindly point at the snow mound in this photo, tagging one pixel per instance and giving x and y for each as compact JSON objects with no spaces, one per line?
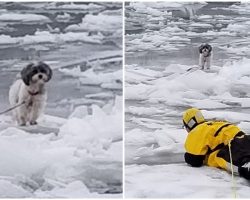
{"x":177,"y":181}
{"x":197,"y":88}
{"x":85,"y":156}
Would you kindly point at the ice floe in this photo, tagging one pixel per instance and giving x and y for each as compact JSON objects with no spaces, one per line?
{"x":38,"y":165}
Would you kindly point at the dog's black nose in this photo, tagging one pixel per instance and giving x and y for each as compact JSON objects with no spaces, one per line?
{"x":40,"y":76}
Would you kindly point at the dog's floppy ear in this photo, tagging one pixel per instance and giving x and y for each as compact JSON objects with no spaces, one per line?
{"x":47,"y":68}
{"x":209,"y":48}
{"x":200,"y":48}
{"x":25,"y":74}
{"x":50,"y":73}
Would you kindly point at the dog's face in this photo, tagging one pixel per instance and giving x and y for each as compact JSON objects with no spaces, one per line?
{"x":38,"y":73}
{"x":205,"y":49}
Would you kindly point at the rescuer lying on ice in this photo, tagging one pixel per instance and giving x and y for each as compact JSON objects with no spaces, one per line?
{"x":210,"y":143}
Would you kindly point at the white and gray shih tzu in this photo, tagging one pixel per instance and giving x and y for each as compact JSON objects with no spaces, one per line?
{"x":205,"y":56}
{"x":30,"y":90}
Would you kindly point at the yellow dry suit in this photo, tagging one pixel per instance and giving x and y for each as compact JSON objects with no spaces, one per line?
{"x":204,"y":142}
{"x":216,"y":144}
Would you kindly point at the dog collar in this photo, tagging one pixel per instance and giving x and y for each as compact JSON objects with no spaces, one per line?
{"x":33,"y":93}
{"x":208,"y":55}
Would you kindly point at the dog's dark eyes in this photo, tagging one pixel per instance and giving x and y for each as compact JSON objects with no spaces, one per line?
{"x":42,"y":71}
{"x":35,"y":71}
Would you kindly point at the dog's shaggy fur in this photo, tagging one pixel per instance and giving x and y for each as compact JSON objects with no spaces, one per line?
{"x":205,"y":56}
{"x":31,"y":90}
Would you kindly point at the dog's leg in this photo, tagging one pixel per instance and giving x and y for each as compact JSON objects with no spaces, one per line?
{"x":24,"y":110}
{"x":22,"y":115}
{"x":14,"y":99}
{"x":34,"y":113}
{"x":33,"y":117}
{"x":208,"y":63}
{"x":14,"y":115}
{"x":201,"y":61}
{"x":37,"y":108}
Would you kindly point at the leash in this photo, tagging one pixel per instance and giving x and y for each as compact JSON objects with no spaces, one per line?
{"x":190,"y":70}
{"x":231,"y":164}
{"x":12,"y":108}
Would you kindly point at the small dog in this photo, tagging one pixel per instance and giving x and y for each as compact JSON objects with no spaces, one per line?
{"x":30,"y":90}
{"x":205,"y":56}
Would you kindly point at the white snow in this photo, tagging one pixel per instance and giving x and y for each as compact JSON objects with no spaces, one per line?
{"x":81,"y":7}
{"x":156,"y":141}
{"x":47,"y":37}
{"x":157,"y":39}
{"x":182,"y":84}
{"x":178,"y":181}
{"x":90,"y":77}
{"x":73,"y":6}
{"x":9,"y":190}
{"x":242,"y":8}
{"x":101,"y":23}
{"x":24,"y":18}
{"x":64,"y":165}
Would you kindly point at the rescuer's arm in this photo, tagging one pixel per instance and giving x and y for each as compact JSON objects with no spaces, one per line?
{"x":194,"y":160}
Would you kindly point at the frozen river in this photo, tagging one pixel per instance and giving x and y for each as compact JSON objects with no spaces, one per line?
{"x":198,"y":19}
{"x":13,"y":57}
{"x":201,"y":23}
{"x":162,"y":40}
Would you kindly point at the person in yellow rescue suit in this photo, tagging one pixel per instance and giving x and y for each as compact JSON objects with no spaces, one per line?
{"x":212,"y":142}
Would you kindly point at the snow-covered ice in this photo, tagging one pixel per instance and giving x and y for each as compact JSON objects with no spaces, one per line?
{"x":46,"y":37}
{"x":50,"y":165}
{"x":176,"y":181}
{"x":95,"y":23}
{"x":163,"y":79}
{"x":24,"y":18}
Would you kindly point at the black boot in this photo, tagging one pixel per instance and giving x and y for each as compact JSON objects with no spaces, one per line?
{"x":244,"y":170}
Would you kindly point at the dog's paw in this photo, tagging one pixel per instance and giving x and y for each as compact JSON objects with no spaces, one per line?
{"x":33,"y":123}
{"x":22,"y":124}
